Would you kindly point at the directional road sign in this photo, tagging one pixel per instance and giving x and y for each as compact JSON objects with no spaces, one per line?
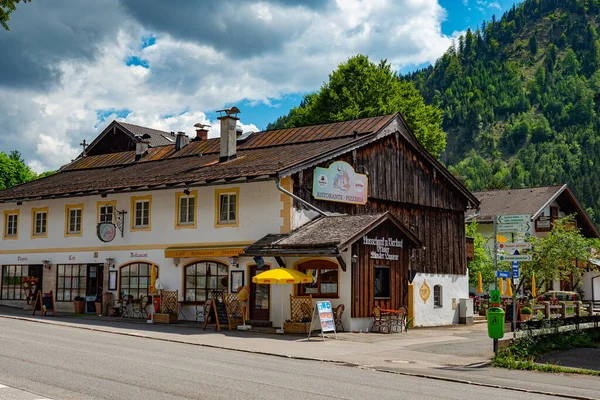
{"x":503,"y":274}
{"x":525,"y":227}
{"x":514,"y":246}
{"x":514,"y":219}
{"x":514,"y":257}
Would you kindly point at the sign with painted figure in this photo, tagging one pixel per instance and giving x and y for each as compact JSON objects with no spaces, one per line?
{"x":340,"y":183}
{"x":326,"y":316}
{"x":514,"y":219}
{"x":107,"y":232}
{"x":514,"y":246}
{"x":515,"y":257}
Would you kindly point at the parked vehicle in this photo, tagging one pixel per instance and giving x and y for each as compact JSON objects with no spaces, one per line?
{"x":560,"y":296}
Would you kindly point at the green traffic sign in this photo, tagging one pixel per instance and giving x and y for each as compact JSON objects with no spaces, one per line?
{"x":514,"y":219}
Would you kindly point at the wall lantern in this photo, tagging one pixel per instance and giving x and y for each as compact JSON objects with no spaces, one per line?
{"x":354,"y":259}
{"x":233,"y":261}
{"x":46,"y":264}
{"x":110,"y":263}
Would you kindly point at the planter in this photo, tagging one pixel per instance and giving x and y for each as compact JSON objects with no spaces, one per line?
{"x":482,"y":311}
{"x":296,"y":327}
{"x":98,"y":308}
{"x":113,"y":311}
{"x":163,"y":318}
{"x":525,"y":317}
{"x":79,"y":307}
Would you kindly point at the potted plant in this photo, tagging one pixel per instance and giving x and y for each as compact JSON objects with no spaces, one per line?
{"x":79,"y":303}
{"x":483,"y":309}
{"x":526,"y":313}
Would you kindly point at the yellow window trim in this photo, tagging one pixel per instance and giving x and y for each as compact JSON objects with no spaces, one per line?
{"x":218,"y":193}
{"x":101,"y":204}
{"x":178,"y":197}
{"x":5,"y":232}
{"x":135,"y":199}
{"x":35,"y":211}
{"x":68,"y":208}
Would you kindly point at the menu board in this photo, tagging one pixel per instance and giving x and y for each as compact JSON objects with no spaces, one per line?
{"x":326,"y":316}
{"x":44,"y":302}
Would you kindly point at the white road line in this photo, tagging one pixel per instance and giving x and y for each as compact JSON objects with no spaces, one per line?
{"x":2,"y":386}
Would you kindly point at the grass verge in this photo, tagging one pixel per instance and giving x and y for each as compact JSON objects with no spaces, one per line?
{"x":523,"y":352}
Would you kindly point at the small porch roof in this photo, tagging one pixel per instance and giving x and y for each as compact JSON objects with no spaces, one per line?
{"x":326,"y":236}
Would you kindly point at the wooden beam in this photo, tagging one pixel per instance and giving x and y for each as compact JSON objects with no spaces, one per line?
{"x":280,"y":262}
{"x":342,"y":262}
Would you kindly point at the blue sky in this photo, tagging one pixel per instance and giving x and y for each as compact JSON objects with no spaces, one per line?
{"x":461,"y":14}
{"x":167,"y":66}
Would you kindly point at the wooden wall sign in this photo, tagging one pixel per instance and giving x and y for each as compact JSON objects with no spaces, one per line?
{"x":425,"y":292}
{"x":44,"y":302}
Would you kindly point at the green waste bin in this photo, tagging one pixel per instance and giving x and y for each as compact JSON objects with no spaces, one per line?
{"x":495,"y":318}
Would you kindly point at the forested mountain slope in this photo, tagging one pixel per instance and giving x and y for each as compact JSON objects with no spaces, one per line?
{"x":518,"y":97}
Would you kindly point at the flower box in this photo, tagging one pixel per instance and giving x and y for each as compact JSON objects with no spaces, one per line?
{"x":161,"y":318}
{"x":296,"y":327}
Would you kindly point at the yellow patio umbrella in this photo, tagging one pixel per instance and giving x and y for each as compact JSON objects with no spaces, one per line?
{"x":153,"y":278}
{"x":281,"y":276}
{"x":533,"y":291}
{"x":509,"y":292}
{"x":479,"y":283}
{"x":501,"y":286}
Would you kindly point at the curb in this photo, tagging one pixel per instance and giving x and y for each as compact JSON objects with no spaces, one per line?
{"x":339,"y":362}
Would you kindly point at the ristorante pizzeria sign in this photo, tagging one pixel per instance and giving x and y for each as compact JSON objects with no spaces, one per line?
{"x":340,"y":183}
{"x":383,"y":248}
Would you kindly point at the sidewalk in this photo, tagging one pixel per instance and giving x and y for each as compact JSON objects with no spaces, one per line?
{"x":458,"y":353}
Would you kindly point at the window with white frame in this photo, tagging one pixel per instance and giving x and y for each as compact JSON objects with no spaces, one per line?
{"x":437,"y":296}
{"x":107,"y":213}
{"x":74,"y":222}
{"x":11,"y":229}
{"x":142,"y":214}
{"x":40,"y":223}
{"x":227,"y":208}
{"x":187,"y":205}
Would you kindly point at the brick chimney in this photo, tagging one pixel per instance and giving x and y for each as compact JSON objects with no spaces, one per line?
{"x":201,"y":132}
{"x":228,"y":133}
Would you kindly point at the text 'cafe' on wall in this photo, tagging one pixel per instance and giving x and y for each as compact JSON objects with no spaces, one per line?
{"x":360,"y":205}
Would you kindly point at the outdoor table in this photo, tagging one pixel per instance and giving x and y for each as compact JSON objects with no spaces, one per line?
{"x":396,"y":317}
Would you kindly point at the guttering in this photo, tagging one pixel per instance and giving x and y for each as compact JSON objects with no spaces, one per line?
{"x":293,"y":196}
{"x":470,"y":217}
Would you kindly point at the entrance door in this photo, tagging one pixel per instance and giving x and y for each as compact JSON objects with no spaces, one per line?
{"x":95,"y":274}
{"x":37,"y":272}
{"x":259,"y":296}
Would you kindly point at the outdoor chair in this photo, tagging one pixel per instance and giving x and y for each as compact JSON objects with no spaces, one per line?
{"x":337,"y":317}
{"x":381,"y":321}
{"x":141,"y":311}
{"x":126,"y":307}
{"x":399,"y":320}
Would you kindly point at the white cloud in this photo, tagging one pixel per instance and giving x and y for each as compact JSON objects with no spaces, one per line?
{"x":495,"y":4}
{"x":187,"y":77}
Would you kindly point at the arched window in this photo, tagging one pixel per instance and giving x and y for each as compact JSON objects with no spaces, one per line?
{"x":202,"y":277}
{"x":134,"y":279}
{"x":325,"y":278}
{"x":437,"y":296}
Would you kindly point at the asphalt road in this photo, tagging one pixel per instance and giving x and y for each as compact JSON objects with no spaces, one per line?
{"x":39,"y":361}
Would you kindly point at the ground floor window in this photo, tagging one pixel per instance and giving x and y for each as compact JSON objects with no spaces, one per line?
{"x":202,"y":277}
{"x":70,"y":281}
{"x":325,"y":276}
{"x":134,"y":279}
{"x":382,"y":282}
{"x":12,"y":282}
{"x":437,"y":296}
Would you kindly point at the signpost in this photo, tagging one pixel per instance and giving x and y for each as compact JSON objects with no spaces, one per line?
{"x":503,"y":274}
{"x":515,"y":257}
{"x":517,"y":223}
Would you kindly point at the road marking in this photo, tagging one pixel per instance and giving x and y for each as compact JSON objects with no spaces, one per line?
{"x":2,"y":386}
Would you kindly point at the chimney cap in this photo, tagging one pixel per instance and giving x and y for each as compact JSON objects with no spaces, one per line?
{"x":230,"y":112}
{"x":201,"y":126}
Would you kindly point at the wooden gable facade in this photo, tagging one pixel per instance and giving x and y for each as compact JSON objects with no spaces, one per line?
{"x":405,"y":180}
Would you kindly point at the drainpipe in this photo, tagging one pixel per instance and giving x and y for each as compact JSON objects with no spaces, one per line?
{"x":470,"y":217}
{"x":293,"y":196}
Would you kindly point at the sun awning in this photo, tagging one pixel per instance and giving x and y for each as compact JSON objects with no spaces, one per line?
{"x":212,"y":251}
{"x":595,"y":261}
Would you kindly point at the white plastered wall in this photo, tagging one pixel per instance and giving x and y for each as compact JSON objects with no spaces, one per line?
{"x":454,"y":287}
